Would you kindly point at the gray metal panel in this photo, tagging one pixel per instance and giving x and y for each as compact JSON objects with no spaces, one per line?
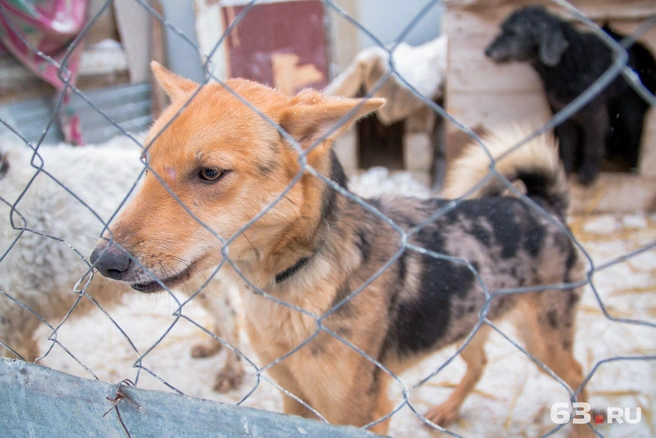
{"x":29,"y":118}
{"x":40,"y":402}
{"x":128,"y":105}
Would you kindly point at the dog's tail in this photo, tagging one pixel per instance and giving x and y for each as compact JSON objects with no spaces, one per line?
{"x":534,"y":168}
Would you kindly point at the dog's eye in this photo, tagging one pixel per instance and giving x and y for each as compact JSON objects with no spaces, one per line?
{"x":210,"y":174}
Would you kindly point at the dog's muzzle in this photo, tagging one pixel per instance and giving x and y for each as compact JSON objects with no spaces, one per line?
{"x":111,"y":261}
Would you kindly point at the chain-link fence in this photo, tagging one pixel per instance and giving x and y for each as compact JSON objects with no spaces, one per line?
{"x":57,"y":194}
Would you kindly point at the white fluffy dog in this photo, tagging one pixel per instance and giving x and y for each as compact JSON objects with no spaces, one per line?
{"x":41,"y":272}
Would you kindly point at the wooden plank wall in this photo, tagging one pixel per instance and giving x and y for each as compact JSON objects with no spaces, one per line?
{"x":480,"y":93}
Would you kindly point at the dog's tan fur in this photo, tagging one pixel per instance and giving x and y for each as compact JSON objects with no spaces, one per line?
{"x":334,"y":245}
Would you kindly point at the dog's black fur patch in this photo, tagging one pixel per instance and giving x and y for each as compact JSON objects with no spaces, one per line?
{"x":347,"y":310}
{"x":362,"y":242}
{"x":418,"y":323}
{"x":338,"y":176}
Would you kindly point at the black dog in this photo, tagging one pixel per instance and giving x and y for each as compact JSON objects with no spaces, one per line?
{"x":568,"y":62}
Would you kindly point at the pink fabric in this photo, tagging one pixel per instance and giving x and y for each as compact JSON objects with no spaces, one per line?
{"x":48,"y":26}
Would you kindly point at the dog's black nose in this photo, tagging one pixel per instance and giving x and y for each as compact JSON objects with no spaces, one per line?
{"x":112,"y":262}
{"x":488,"y":52}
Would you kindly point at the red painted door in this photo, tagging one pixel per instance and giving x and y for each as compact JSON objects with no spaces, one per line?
{"x":280,"y":44}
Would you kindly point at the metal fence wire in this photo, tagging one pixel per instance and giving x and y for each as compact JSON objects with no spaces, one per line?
{"x":181,"y":312}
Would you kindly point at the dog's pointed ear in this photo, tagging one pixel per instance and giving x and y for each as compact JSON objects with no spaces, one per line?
{"x":313,"y":116}
{"x":552,"y":46}
{"x":173,"y":85}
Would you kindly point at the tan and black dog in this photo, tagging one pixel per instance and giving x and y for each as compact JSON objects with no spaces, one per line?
{"x":315,"y":246}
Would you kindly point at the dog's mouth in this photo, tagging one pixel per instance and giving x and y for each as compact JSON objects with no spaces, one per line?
{"x":496,"y":56}
{"x":169,"y":282}
{"x":502,"y":60}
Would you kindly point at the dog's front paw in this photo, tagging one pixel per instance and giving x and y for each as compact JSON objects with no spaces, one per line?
{"x":228,"y":379}
{"x":208,"y":349}
{"x":442,"y":415}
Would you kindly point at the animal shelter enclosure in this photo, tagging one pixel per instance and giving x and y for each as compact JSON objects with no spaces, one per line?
{"x":85,"y":350}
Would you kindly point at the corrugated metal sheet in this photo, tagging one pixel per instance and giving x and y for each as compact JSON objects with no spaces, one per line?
{"x":129,"y":106}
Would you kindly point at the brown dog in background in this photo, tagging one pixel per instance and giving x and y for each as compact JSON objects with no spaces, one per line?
{"x":315,"y":246}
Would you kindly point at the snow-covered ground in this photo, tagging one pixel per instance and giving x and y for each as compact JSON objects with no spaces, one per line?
{"x":512,"y":399}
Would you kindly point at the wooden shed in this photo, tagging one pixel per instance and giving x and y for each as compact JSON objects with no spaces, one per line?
{"x":480,"y":93}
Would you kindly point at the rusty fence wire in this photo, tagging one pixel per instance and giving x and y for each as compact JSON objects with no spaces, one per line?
{"x":23,"y":226}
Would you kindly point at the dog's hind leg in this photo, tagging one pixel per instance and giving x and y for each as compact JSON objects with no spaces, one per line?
{"x":631,"y":120}
{"x":548,"y":332}
{"x":474,"y":356}
{"x":568,"y":144}
{"x":595,"y":132}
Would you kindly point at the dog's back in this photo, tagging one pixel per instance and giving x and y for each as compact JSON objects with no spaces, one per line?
{"x":491,"y":245}
{"x":492,"y":240}
{"x":463,"y":263}
{"x":641,"y":60}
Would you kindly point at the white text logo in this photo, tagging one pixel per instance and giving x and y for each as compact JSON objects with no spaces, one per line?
{"x":561,"y":414}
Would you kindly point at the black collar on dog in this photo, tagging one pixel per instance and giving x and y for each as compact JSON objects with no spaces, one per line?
{"x":284,"y":275}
